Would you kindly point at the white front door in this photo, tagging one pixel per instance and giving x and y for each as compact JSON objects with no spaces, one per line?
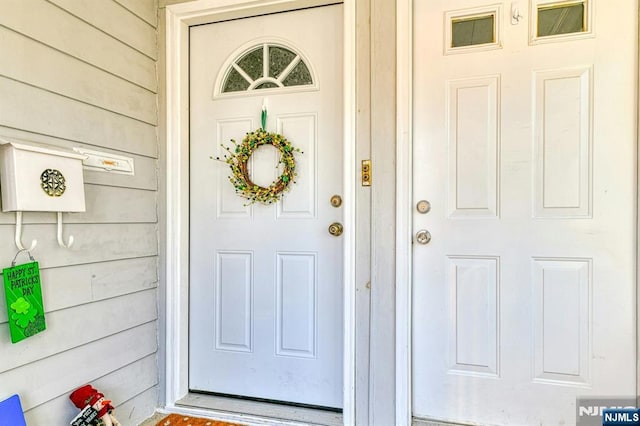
{"x":266,"y":280}
{"x":525,"y":147}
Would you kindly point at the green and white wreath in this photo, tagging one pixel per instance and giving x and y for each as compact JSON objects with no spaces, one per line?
{"x":238,"y":161}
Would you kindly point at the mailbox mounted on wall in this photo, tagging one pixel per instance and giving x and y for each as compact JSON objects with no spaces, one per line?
{"x":40,"y":178}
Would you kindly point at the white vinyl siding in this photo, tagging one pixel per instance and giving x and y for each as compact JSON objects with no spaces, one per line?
{"x":81,"y":73}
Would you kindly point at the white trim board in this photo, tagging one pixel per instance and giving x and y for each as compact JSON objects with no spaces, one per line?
{"x":175,"y":213}
{"x":638,"y":221}
{"x":404,"y":189}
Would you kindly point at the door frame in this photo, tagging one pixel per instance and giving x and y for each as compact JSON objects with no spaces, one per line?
{"x":404,"y":211}
{"x":174,"y":182}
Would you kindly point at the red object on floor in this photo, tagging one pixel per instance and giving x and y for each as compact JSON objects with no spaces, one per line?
{"x":87,"y":395}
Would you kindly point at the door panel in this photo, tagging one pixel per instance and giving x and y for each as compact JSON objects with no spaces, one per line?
{"x":525,"y":147}
{"x":266,"y":280}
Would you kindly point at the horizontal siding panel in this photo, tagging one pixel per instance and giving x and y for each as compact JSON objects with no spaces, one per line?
{"x":39,"y":65}
{"x":122,"y":386}
{"x":139,"y":408}
{"x":105,"y":204}
{"x":116,"y":20}
{"x":145,"y":9}
{"x":39,"y":111}
{"x":165,"y":3}
{"x":74,"y":327}
{"x":113,"y":279}
{"x":93,"y":243}
{"x":44,"y":21}
{"x":108,"y":204}
{"x":70,"y":286}
{"x":64,"y":372}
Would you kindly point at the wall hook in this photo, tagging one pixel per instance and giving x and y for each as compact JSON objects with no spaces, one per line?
{"x":515,"y":13}
{"x":61,"y":242}
{"x":19,"y":234}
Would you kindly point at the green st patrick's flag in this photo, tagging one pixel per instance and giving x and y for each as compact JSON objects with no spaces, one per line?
{"x":24,"y":300}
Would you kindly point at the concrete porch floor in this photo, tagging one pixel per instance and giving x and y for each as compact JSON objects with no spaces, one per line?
{"x":151,"y":421}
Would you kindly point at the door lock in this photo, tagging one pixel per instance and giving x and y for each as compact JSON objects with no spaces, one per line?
{"x":423,"y":236}
{"x":335,"y":229}
{"x":423,"y":206}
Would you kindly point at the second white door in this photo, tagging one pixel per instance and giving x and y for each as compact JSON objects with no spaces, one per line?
{"x":525,"y":146}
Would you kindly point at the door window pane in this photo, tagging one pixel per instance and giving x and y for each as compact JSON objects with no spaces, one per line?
{"x":473,"y":31}
{"x":561,"y":19}
{"x":284,"y":68}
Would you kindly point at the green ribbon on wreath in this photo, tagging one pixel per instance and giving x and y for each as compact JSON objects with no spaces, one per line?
{"x":263,"y":118}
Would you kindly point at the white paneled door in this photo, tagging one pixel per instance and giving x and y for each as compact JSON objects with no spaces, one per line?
{"x":266,"y":280}
{"x":525,"y":147}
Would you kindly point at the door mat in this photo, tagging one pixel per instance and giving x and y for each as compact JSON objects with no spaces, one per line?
{"x":182,"y":420}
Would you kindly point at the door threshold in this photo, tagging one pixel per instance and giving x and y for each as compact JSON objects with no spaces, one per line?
{"x":425,"y":421}
{"x":267,"y":410}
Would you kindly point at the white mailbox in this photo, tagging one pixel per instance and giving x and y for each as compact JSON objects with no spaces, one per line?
{"x":40,"y":178}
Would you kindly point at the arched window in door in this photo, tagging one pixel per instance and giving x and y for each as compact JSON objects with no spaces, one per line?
{"x":266,"y":66}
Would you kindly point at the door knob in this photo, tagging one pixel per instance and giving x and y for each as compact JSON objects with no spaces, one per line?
{"x":423,"y":236}
{"x":335,"y":229}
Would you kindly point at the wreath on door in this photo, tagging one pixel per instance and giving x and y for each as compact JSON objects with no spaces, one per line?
{"x":238,"y":161}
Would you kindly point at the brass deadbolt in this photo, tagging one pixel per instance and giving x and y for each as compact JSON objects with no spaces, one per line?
{"x":423,"y":206}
